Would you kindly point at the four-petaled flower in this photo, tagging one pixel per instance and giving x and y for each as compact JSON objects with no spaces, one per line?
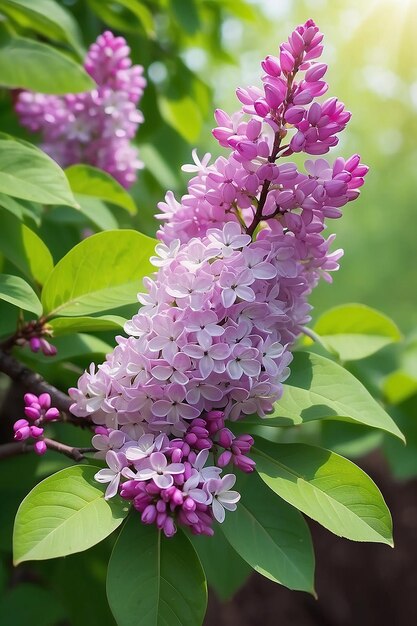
{"x":159,"y":470}
{"x":221,"y":495}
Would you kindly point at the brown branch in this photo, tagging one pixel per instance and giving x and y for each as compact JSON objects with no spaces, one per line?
{"x":15,"y":448}
{"x":33,"y":382}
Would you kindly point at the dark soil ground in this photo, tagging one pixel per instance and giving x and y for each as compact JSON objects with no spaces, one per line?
{"x":357,"y":584}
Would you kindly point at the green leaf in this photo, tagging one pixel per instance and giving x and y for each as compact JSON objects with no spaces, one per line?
{"x":15,"y":290}
{"x":29,"y":64}
{"x":271,"y":536}
{"x":399,"y":386}
{"x":226,"y":571}
{"x":30,"y":604}
{"x":28,"y":173}
{"x":326,"y":487}
{"x":95,"y":210}
{"x":63,"y":514}
{"x":355,"y":331}
{"x":153,"y":580}
{"x":321,"y":389}
{"x":46,"y":17}
{"x":68,"y":325}
{"x":187,"y":15}
{"x":25,"y":249}
{"x":102,"y":272}
{"x":125,"y":15}
{"x":183,"y":114}
{"x":91,"y":181}
{"x":21,"y":210}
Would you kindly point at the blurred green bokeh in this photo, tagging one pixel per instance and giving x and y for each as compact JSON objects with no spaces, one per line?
{"x":371,"y":49}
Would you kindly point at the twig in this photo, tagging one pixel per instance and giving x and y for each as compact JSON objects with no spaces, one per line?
{"x":33,"y":382}
{"x":15,"y":448}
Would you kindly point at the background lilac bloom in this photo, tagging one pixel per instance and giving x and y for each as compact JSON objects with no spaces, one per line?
{"x":95,"y":127}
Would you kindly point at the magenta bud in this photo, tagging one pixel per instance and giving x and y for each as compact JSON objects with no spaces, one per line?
{"x":52,"y":414}
{"x":35,"y":431}
{"x":215,"y":415}
{"x":286,"y":60}
{"x":224,"y":459}
{"x":40,"y":447}
{"x":204,"y":444}
{"x":244,"y":463}
{"x":161,"y":506}
{"x":176,"y":455}
{"x":316,"y":72}
{"x":190,"y":438}
{"x":35,"y":344}
{"x":22,"y":433}
{"x":225,"y":438}
{"x":273,"y":97}
{"x":20,"y":424}
{"x":271,"y":66}
{"x":32,"y":413}
{"x":47,"y":348}
{"x":45,"y":400}
{"x":100,"y":430}
{"x":160,"y":520}
{"x":177,"y":497}
{"x":253,"y":129}
{"x":261,"y":107}
{"x":30,"y":398}
{"x":169,"y":527}
{"x":149,"y":514}
{"x":189,"y":504}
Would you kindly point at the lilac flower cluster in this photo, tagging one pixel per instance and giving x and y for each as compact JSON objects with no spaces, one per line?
{"x":38,"y":410}
{"x":168,"y":480}
{"x":239,"y":256}
{"x":94,"y":127}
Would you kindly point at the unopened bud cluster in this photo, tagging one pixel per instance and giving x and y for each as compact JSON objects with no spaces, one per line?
{"x":38,"y":411}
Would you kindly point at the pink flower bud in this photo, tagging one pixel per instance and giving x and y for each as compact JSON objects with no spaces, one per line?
{"x":149,"y":514}
{"x":32,"y":413}
{"x":286,"y":60}
{"x":40,"y":447}
{"x":169,"y":527}
{"x":271,"y":66}
{"x":261,"y":107}
{"x":35,"y":431}
{"x":52,"y":414}
{"x":225,"y":438}
{"x":316,"y":72}
{"x":45,"y":400}
{"x":20,"y":424}
{"x":30,"y":398}
{"x":22,"y":433}
{"x":273,"y":97}
{"x":224,"y":459}
{"x":35,"y":344}
{"x":189,"y":504}
{"x":244,"y":463}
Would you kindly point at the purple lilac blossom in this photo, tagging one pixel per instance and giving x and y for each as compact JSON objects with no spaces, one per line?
{"x":94,"y":127}
{"x":239,"y":256}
